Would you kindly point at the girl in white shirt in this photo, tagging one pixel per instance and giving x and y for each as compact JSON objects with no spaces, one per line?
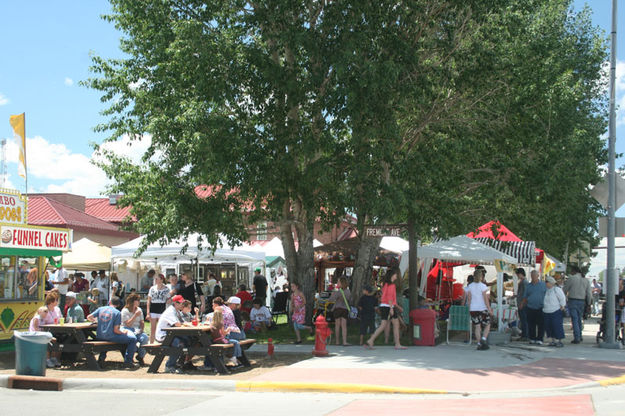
{"x":158,"y":298}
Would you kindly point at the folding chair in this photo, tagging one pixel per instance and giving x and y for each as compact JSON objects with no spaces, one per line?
{"x":280,"y":306}
{"x":459,"y":320}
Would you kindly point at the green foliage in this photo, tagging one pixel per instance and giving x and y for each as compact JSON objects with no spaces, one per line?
{"x":449,"y":113}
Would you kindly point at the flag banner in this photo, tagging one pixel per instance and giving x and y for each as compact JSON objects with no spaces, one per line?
{"x":19,"y":127}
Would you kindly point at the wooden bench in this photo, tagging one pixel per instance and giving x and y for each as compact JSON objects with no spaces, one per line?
{"x":217,"y":353}
{"x":91,"y":348}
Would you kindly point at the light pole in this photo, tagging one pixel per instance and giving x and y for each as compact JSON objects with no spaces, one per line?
{"x":610,"y":339}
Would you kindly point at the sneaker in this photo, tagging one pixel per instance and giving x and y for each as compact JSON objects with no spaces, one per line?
{"x":56,"y":361}
{"x":539,"y":342}
{"x":553,"y":344}
{"x":130,"y":365}
{"x":575,"y":341}
{"x":206,"y":368}
{"x":172,"y":370}
{"x":532,"y":342}
{"x":485,"y":346}
{"x":49,"y":363}
{"x":559,"y":344}
{"x":140,"y":361}
{"x":233,"y":361}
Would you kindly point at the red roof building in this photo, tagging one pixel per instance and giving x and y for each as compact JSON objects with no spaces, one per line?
{"x":107,"y":209}
{"x":68,"y":211}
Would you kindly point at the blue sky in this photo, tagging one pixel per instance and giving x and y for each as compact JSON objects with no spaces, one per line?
{"x":46,"y":47}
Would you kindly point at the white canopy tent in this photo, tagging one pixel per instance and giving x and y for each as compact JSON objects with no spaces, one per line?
{"x":460,"y":249}
{"x":173,"y":250}
{"x":171,"y":255}
{"x":87,"y":255}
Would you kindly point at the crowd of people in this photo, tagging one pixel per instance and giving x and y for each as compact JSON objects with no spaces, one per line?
{"x":173,"y":301}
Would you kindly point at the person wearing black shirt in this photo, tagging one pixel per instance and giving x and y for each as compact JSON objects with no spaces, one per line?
{"x":188,"y":289}
{"x":260,"y":287}
{"x":366,"y":307}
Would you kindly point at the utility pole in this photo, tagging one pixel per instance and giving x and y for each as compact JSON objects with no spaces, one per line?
{"x":610,"y":339}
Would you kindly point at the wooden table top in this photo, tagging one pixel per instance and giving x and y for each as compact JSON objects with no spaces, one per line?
{"x":185,"y":328}
{"x":77,"y":325}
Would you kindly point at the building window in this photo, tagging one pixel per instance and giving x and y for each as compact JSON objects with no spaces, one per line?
{"x":261,"y":231}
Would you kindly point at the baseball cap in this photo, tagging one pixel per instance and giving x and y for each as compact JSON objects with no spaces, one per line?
{"x":551,"y":280}
{"x":177,"y":299}
{"x":70,"y":295}
{"x":234,"y":299}
{"x":257,"y":269}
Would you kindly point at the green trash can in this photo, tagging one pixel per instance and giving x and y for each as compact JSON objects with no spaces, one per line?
{"x":30,"y":352}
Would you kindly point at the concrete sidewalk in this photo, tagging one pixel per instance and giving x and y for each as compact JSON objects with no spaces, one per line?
{"x":457,"y":369}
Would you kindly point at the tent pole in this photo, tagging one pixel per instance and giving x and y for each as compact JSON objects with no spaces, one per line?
{"x":500,"y":301}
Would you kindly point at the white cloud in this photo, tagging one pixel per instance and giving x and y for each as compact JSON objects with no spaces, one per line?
{"x":62,"y":170}
{"x":68,"y":81}
{"x":3,"y":100}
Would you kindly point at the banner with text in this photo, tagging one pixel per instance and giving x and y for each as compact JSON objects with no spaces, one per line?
{"x":37,"y":238}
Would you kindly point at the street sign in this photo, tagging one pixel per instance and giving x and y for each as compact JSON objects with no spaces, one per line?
{"x":384,"y":230}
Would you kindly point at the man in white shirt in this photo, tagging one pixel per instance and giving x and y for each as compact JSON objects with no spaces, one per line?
{"x":61,"y":282}
{"x":168,"y":319}
{"x":260,"y":316}
{"x":478,"y":299}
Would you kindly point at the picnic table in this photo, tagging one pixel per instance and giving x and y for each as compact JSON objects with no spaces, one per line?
{"x":200,"y":344}
{"x":77,"y":338}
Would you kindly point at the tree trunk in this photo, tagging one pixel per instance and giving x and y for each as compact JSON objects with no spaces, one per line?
{"x":363,"y":266}
{"x":300,"y":263}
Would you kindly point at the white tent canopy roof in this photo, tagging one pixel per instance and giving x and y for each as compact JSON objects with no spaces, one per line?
{"x":463,"y":248}
{"x":243,"y":253}
{"x":87,"y":255}
{"x":394,"y":244}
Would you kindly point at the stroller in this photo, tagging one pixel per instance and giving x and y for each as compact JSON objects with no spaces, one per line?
{"x":601,"y":333}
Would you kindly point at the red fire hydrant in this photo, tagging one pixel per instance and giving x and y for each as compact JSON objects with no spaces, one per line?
{"x":321,"y":336}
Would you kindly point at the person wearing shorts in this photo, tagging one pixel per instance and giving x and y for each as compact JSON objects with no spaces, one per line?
{"x":341,"y":309}
{"x":158,"y":296}
{"x":479,"y":306}
{"x":389,"y":310}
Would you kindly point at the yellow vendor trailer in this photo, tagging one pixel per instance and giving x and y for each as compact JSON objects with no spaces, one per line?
{"x":25,"y":253}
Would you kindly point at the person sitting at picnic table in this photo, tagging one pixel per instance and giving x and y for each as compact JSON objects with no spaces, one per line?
{"x":219,"y":333}
{"x":234,"y":303}
{"x":246,"y":299}
{"x":260,"y":316}
{"x":134,"y":320}
{"x":186,"y":315}
{"x":109,"y":321}
{"x":171,"y":318}
{"x":73,"y":311}
{"x":54,"y":312}
{"x":37,"y":320}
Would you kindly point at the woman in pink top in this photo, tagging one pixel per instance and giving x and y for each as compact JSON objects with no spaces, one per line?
{"x":54,"y":312}
{"x":389,"y":309}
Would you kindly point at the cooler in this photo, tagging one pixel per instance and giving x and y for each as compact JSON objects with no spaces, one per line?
{"x":423,"y":321}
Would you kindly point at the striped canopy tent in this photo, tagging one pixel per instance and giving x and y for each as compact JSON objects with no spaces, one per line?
{"x":496,"y":235}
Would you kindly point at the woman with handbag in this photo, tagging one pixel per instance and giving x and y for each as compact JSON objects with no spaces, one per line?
{"x":389,"y":310}
{"x":341,"y":309}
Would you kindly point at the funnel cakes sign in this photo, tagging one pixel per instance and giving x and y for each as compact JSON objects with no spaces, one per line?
{"x":12,"y":207}
{"x":38,"y":238}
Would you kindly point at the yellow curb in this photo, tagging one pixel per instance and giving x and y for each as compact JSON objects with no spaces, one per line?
{"x":329,"y":388}
{"x":612,"y":381}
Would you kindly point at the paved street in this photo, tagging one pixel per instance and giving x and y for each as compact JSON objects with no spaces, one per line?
{"x":515,"y":379}
{"x":606,"y":401}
